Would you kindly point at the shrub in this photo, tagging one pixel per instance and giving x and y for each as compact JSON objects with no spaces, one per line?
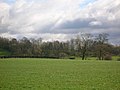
{"x":63,"y":55}
{"x":108,"y":57}
{"x":118,"y":59}
{"x":72,"y":57}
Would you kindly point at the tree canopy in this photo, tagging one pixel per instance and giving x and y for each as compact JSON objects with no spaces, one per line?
{"x":83,"y":45}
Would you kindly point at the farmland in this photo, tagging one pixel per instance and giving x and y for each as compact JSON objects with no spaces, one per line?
{"x":59,"y":74}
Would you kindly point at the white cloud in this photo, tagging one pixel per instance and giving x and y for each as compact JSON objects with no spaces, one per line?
{"x":45,"y":17}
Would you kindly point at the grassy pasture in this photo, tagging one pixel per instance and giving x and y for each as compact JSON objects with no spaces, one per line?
{"x":59,"y":74}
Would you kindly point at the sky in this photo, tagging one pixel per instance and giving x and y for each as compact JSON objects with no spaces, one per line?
{"x":59,"y":19}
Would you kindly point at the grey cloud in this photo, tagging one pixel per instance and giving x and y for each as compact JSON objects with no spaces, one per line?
{"x":76,"y":24}
{"x":85,"y":23}
{"x":79,"y":25}
{"x":3,"y":30}
{"x":45,"y":29}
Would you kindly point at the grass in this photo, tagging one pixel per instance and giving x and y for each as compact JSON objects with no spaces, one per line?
{"x":48,"y":74}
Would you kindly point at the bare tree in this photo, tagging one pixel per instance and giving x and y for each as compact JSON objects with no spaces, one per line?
{"x":84,"y":41}
{"x":101,"y":41}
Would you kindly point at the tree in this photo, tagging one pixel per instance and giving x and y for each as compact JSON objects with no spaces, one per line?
{"x":4,"y":43}
{"x":72,"y":47}
{"x":101,"y":47}
{"x":84,"y":41}
{"x":25,"y":46}
{"x":14,"y":47}
{"x":36,"y":46}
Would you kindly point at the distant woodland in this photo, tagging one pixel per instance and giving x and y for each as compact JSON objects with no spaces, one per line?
{"x":83,"y":45}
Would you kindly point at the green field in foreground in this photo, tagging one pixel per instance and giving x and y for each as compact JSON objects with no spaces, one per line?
{"x":59,"y":74}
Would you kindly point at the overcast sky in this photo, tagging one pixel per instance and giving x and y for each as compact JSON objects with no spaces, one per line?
{"x":59,"y":19}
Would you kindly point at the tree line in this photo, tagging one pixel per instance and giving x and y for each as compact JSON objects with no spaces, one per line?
{"x":83,"y":45}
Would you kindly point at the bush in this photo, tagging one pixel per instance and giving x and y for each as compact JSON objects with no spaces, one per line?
{"x":72,"y":57}
{"x":118,"y":59}
{"x":108,"y":57}
{"x":63,"y":55}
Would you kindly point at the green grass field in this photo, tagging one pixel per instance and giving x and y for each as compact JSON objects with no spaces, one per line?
{"x":59,"y":74}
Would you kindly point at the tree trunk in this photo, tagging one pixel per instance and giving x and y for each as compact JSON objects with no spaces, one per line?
{"x":100,"y":55}
{"x":83,"y":57}
{"x":83,"y":54}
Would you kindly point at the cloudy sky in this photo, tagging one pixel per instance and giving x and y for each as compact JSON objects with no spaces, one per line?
{"x":59,"y":19}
